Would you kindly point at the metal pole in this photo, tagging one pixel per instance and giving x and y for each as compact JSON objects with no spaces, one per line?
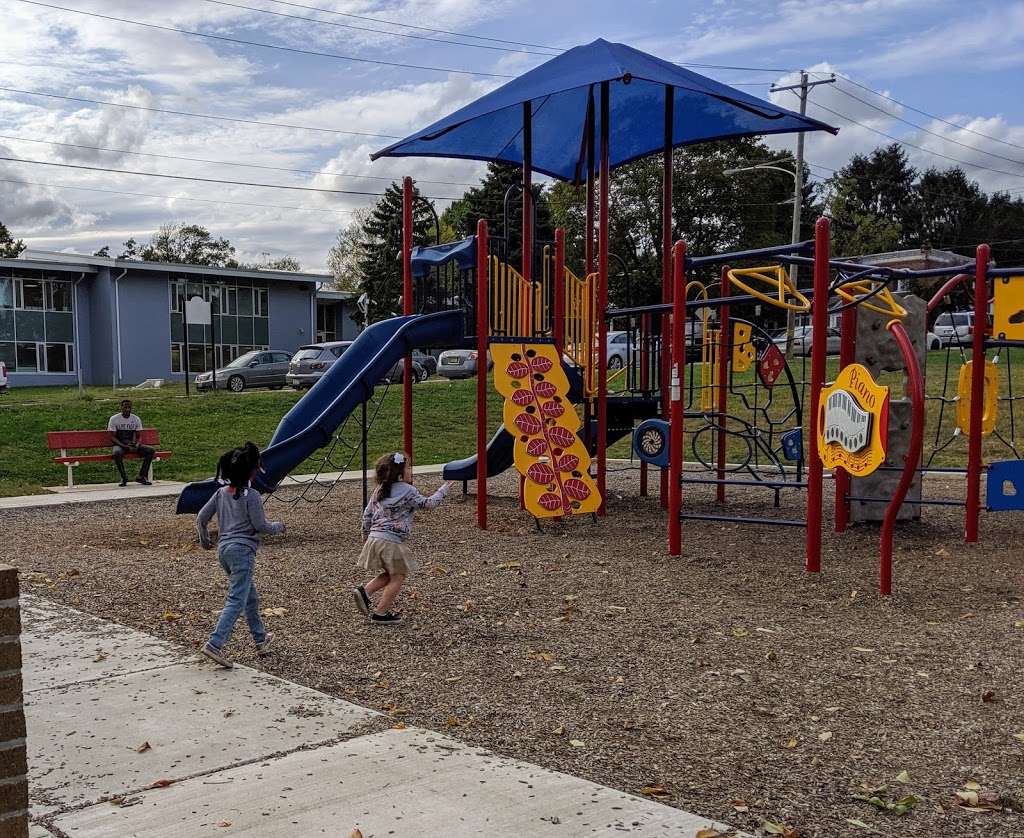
{"x":602,"y":305}
{"x":407,"y":310}
{"x":666,"y":266}
{"x":482,"y":321}
{"x":977,"y":393}
{"x":819,"y":324}
{"x":366,"y":498}
{"x":675,"y":444}
{"x":527,"y":262}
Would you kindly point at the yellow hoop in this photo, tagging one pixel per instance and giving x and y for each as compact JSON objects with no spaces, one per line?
{"x":854,"y":292}
{"x":786,"y":297}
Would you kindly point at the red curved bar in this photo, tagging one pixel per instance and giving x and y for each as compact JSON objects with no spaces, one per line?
{"x":915,"y":388}
{"x":946,"y":288}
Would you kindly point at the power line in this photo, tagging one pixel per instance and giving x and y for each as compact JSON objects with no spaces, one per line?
{"x":226,"y":162}
{"x":414,"y":26}
{"x":174,"y":197}
{"x":931,"y":115}
{"x":378,"y":31}
{"x":195,"y":179}
{"x":242,"y":42}
{"x":928,"y":130}
{"x":195,"y":115}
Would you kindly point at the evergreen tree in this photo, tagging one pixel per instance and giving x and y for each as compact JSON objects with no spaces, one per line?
{"x":9,"y":246}
{"x":380,"y":262}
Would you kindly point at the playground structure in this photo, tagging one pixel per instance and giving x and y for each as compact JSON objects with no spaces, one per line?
{"x":705,"y":380}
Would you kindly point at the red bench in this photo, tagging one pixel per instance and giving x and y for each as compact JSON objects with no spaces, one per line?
{"x":65,"y":441}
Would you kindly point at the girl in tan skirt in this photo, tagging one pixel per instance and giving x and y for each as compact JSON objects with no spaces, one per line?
{"x":387,"y":522}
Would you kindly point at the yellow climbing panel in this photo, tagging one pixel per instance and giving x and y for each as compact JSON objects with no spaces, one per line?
{"x":990,"y":394}
{"x":548,"y":452}
{"x":581,"y":326}
{"x":1008,"y":310}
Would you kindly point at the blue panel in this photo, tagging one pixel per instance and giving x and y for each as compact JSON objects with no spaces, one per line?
{"x":1004,"y":491}
{"x":424,"y":258}
{"x":650,"y":442}
{"x":793,"y":445}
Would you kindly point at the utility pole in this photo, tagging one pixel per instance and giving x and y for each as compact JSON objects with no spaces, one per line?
{"x":803,"y":88}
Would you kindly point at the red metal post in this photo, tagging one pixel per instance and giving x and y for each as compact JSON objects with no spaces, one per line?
{"x":482,"y":328}
{"x":675,"y":440}
{"x":915,"y":389}
{"x":602,"y":306}
{"x":407,"y":309}
{"x":974,"y":464}
{"x":666,"y":265}
{"x":819,"y":332}
{"x":558,"y":326}
{"x":724,"y":356}
{"x":847,"y":353}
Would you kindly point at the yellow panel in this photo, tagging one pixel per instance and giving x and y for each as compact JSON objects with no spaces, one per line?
{"x":548,"y":452}
{"x":709,"y":368}
{"x":853,"y":420}
{"x":990,"y":394}
{"x":1008,"y":311}
{"x":743,"y":354}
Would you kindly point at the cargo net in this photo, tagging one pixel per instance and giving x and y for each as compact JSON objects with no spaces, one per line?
{"x":948,"y":396}
{"x":339,"y":458}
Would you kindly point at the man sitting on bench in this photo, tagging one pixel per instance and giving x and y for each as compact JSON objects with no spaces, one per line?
{"x":125,"y":428}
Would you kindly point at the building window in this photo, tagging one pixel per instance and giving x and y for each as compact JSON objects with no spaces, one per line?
{"x":60,"y":357}
{"x":325,"y":323}
{"x":6,"y":293}
{"x":262,"y":302}
{"x":58,"y":296}
{"x":31,"y":294}
{"x":28,"y":358}
{"x":176,"y":358}
{"x":36,"y":324}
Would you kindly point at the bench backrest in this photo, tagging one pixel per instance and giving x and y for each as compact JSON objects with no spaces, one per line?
{"x":66,"y":440}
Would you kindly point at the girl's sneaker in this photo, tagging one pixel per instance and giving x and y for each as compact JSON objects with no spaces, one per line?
{"x":216,"y":655}
{"x":263,"y":649}
{"x":362,"y":600}
{"x":389,"y":619}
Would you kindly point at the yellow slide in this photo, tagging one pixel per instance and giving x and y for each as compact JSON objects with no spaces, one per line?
{"x":548,"y":452}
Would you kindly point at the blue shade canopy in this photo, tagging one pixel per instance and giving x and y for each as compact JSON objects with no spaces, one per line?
{"x":424,"y":258}
{"x":559,"y":92}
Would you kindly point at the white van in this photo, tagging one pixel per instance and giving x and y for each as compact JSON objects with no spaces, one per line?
{"x":954,"y":327}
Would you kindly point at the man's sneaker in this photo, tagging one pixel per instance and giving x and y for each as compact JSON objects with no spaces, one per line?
{"x":216,"y":655}
{"x":263,"y":649}
{"x":389,"y":619}
{"x":143,"y":481}
{"x":362,"y":600}
{"x":123,"y":483}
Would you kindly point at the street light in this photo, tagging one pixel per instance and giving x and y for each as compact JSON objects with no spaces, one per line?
{"x":797,"y":200}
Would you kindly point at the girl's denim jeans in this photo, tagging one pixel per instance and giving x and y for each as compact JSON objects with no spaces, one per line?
{"x":239,"y":563}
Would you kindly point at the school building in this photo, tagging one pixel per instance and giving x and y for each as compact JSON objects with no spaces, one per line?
{"x":67,"y":319}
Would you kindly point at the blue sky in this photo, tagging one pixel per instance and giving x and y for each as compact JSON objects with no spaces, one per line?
{"x":960,"y":62}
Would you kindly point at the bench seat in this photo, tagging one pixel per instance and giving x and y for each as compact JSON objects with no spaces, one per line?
{"x":65,"y":441}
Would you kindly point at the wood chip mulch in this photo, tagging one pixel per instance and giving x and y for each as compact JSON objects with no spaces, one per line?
{"x":725,"y":682}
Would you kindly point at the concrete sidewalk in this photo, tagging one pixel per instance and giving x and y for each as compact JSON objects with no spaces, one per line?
{"x":130,"y":735}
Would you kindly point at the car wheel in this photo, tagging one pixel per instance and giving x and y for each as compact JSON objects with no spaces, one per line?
{"x":236,"y":384}
{"x":615,"y":363}
{"x":276,"y":386}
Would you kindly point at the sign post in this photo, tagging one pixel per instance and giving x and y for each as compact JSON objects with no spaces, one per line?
{"x":196,"y":310}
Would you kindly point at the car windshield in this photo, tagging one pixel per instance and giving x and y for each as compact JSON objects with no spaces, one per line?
{"x":308,"y":354}
{"x":243,"y":360}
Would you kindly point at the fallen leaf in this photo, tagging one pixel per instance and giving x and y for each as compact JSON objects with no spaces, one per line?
{"x":161,"y":784}
{"x":577,"y":743}
{"x":903,"y":777}
{"x":790,"y":744}
{"x":223,"y":823}
{"x":1018,"y":624}
{"x":274,"y":612}
{"x":509,"y":565}
{"x":558,"y":667}
{"x":708,"y":833}
{"x":860,"y":823}
{"x":100,"y":656}
{"x":355,"y":833}
{"x":825,"y":735}
{"x":971,"y":785}
{"x":988,"y":696}
{"x":739,"y":631}
{"x":740,"y":806}
{"x":1019,"y":737}
{"x":655,"y":791}
{"x":862,"y":649}
{"x":558,"y":731}
{"x":145,"y":746}
{"x":398,"y":726}
{"x":171,"y":616}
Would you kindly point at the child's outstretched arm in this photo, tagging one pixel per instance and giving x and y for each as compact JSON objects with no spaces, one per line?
{"x":203,"y":521}
{"x":432,"y":501}
{"x":257,"y":517}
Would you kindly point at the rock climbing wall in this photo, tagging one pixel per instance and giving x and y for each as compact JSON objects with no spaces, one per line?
{"x":878,"y":351}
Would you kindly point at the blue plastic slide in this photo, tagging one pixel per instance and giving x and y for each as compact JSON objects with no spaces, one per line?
{"x":313,"y":420}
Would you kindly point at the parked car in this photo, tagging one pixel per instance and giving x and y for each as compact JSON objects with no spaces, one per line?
{"x":460,"y":363}
{"x":619,"y":348}
{"x":3,"y":377}
{"x":310,"y":362}
{"x":933,"y":341}
{"x":428,"y":362}
{"x":954,"y":327}
{"x":803,"y":337}
{"x":259,"y":368}
{"x":397,"y":372}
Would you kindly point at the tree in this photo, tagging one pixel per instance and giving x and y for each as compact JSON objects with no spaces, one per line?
{"x":186,"y":244}
{"x":343,"y":259}
{"x":380,"y":265}
{"x":281,"y":263}
{"x":9,"y":247}
{"x":856,"y":230}
{"x":103,"y":251}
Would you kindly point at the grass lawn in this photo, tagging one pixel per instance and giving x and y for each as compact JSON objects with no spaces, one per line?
{"x":199,"y":429}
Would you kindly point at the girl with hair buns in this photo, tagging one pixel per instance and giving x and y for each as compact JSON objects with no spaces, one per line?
{"x":387,"y":523}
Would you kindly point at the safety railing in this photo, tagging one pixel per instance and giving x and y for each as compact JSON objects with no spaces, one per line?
{"x":581,"y":327}
{"x":512,"y":301}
